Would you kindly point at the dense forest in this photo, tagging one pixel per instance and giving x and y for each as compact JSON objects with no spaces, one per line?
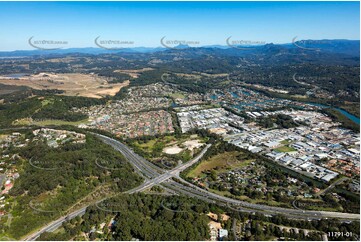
{"x":143,"y":217}
{"x":46,"y":107}
{"x":53,"y":179}
{"x":279,"y":121}
{"x":58,"y":107}
{"x":155,"y":217}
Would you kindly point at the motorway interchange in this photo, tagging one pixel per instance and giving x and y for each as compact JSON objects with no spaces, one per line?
{"x":154,"y":175}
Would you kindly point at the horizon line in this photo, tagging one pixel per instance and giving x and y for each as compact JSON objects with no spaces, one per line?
{"x":175,"y":47}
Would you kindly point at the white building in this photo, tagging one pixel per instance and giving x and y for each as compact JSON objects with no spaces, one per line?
{"x":222,"y":233}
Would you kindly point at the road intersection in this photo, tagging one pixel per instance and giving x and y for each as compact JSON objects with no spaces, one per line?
{"x":154,"y":175}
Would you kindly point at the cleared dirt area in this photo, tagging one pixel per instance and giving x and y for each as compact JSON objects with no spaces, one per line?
{"x":172,"y":150}
{"x":199,"y":75}
{"x":219,"y":163}
{"x":188,"y":145}
{"x":134,"y":73}
{"x":193,"y":144}
{"x":73,"y":84}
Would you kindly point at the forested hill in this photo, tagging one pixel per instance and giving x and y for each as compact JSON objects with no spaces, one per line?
{"x":52,"y":181}
{"x":346,"y":47}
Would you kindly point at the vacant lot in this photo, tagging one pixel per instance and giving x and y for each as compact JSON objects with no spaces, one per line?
{"x":134,"y":73}
{"x":167,"y":151}
{"x":172,"y":150}
{"x":220,"y":162}
{"x":73,"y":84}
{"x":177,"y":95}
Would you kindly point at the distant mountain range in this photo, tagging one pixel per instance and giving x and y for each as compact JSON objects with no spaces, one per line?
{"x":346,"y":47}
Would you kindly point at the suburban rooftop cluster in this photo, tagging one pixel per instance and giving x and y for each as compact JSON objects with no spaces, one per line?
{"x":135,"y":124}
{"x":54,"y":138}
{"x":240,"y":98}
{"x":306,"y":149}
{"x":217,"y":119}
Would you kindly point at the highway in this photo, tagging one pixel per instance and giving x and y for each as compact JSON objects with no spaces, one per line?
{"x":156,"y":176}
{"x":153,"y":175}
{"x":55,"y":224}
{"x":187,"y":188}
{"x":144,"y":167}
{"x":194,"y":191}
{"x":169,"y":174}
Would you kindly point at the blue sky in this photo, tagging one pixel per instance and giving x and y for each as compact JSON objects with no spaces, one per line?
{"x":145,"y":23}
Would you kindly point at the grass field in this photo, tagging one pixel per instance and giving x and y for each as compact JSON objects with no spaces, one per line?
{"x":149,"y":145}
{"x":254,"y":201}
{"x":57,"y":122}
{"x":285,"y":149}
{"x":318,"y":205}
{"x":177,"y":95}
{"x":285,"y":142}
{"x":220,"y":162}
{"x":46,"y":102}
{"x":169,"y":149}
{"x":6,"y":238}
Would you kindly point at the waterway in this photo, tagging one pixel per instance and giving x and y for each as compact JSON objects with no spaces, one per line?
{"x":240,"y":106}
{"x":16,"y":75}
{"x":348,"y":115}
